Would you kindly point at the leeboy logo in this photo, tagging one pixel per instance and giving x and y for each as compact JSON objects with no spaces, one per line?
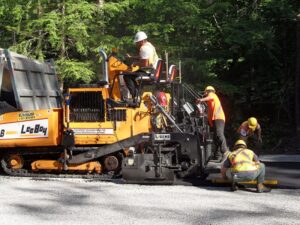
{"x":36,"y":129}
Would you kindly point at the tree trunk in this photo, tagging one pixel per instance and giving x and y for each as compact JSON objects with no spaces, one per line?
{"x":297,"y":79}
{"x":63,"y":35}
{"x":40,"y":38}
{"x":100,"y":3}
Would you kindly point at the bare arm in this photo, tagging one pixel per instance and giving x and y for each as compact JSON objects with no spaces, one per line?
{"x":258,"y":132}
{"x":255,"y":159}
{"x":205,"y":99}
{"x":144,"y":62}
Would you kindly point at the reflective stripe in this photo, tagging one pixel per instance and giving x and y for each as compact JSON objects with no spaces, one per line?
{"x":242,"y":160}
{"x":246,"y":155}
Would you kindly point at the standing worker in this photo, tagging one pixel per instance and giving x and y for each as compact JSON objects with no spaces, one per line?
{"x":243,"y":165}
{"x":247,"y":130}
{"x":216,"y":119}
{"x":147,"y":58}
{"x":159,"y":121}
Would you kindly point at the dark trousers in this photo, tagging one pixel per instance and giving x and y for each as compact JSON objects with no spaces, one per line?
{"x":258,"y":175}
{"x":131,"y":84}
{"x":219,"y":137}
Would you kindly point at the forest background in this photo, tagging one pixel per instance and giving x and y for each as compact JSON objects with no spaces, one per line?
{"x":246,"y":49}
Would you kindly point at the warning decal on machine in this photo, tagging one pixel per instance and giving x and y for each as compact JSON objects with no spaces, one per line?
{"x":94,"y":131}
{"x":26,"y":116}
{"x":26,"y":129}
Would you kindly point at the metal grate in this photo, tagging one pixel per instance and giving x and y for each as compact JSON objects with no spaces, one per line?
{"x":116,"y":115}
{"x":87,"y":107}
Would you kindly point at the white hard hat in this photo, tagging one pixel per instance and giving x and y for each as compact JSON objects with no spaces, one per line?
{"x":140,"y":36}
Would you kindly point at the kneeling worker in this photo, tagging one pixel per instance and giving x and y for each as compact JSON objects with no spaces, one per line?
{"x":243,"y":165}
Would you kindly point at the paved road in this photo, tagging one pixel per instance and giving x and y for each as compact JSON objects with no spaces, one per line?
{"x":76,"y":202}
{"x":284,"y":168}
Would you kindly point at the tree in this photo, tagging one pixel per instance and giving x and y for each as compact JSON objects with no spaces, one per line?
{"x":235,"y":45}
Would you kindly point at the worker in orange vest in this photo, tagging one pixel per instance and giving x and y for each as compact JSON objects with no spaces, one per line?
{"x":216,"y":119}
{"x":242,"y":165}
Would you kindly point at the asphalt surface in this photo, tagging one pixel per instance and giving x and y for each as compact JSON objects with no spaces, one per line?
{"x":30,"y":201}
{"x":283,"y":168}
{"x":74,"y":201}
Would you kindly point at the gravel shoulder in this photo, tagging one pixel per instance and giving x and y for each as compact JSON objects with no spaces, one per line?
{"x":76,"y":201}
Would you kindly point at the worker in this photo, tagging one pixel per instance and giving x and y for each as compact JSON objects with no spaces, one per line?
{"x":159,"y":120}
{"x":216,"y":119}
{"x":243,"y":165}
{"x":147,"y":58}
{"x":248,"y":129}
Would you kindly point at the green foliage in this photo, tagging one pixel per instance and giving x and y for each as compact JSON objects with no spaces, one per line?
{"x":60,"y":30}
{"x":74,"y":71}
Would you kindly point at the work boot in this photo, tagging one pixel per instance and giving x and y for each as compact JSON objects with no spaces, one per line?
{"x":217,"y":156}
{"x":262,"y":188}
{"x":234,"y":186}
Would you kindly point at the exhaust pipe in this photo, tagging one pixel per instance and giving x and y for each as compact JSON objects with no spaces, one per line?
{"x":104,"y":67}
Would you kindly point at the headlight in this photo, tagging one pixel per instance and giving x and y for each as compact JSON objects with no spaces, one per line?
{"x":130,"y":162}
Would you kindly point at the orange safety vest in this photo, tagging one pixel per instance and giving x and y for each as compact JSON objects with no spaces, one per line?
{"x":215,"y":110}
{"x":242,"y":160}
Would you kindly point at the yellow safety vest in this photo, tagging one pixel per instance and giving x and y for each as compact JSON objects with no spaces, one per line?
{"x":242,"y":160}
{"x":153,"y":57}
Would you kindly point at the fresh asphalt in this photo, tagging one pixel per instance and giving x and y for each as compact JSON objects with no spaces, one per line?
{"x":30,"y":201}
{"x":283,"y":168}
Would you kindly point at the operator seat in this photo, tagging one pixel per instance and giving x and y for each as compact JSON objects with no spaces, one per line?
{"x":153,"y":75}
{"x":170,"y":76}
{"x":171,"y":73}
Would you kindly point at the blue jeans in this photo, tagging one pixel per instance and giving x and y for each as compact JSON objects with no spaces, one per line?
{"x":258,"y":175}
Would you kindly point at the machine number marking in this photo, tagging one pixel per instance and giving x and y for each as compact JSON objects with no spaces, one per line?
{"x":162,"y":137}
